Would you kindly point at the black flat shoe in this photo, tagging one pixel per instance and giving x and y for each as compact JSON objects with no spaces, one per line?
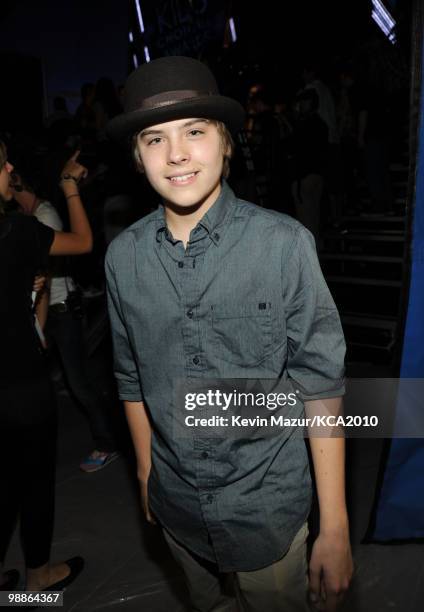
{"x":12,"y":579}
{"x":76,"y":565}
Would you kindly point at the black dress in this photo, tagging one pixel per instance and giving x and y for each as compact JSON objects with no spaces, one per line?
{"x":27,"y":403}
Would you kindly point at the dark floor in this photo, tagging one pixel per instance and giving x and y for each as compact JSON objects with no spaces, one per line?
{"x":128,"y":566}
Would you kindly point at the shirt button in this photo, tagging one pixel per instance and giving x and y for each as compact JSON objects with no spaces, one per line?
{"x":216,"y":236}
{"x":196,"y":360}
{"x":190,"y":314}
{"x":205,"y":455}
{"x":181,"y":264}
{"x":210,"y":498}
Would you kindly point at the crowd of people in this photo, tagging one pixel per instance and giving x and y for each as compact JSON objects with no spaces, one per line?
{"x":324,"y":153}
{"x":316,"y":146}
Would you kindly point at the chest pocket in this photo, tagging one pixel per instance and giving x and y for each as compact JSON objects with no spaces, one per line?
{"x":242,"y":334}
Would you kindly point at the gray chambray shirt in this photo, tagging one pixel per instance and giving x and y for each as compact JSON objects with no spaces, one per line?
{"x":245,"y":300}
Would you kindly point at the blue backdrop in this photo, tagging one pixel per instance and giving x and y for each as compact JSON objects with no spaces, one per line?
{"x":400,"y":511}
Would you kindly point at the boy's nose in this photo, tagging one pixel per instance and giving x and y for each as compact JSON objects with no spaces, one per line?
{"x":177,"y":153}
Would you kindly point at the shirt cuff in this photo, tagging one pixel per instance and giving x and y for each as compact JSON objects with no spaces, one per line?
{"x":126,"y":396}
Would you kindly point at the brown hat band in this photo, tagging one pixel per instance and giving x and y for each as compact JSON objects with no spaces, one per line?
{"x":167,"y":98}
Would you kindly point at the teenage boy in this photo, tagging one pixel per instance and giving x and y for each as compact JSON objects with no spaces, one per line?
{"x":209,"y":286}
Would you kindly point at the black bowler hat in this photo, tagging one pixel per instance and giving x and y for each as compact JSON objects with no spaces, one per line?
{"x":169,"y":88}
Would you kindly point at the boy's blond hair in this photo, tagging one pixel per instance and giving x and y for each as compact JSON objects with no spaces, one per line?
{"x":227,"y":144}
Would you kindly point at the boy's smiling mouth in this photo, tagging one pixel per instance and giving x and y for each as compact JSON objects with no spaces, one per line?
{"x":183,"y":178}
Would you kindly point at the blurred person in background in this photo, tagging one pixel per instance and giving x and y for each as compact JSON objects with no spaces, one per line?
{"x":106,"y":105}
{"x":85,"y":117}
{"x":28,"y":421}
{"x":326,"y":109}
{"x":60,"y":314}
{"x":264,"y":140}
{"x":309,"y":145}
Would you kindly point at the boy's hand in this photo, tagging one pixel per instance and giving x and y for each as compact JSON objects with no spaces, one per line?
{"x":330,"y":570}
{"x":145,"y":503}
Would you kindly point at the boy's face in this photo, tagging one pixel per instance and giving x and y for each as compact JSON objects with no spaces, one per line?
{"x":183,"y":160}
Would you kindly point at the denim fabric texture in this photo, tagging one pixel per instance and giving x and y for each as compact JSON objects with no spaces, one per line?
{"x":245,"y":300}
{"x":66,"y":333}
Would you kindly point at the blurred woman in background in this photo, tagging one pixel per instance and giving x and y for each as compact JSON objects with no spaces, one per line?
{"x":28,"y":427}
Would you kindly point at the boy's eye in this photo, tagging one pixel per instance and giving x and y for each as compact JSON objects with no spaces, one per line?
{"x":154,"y":140}
{"x":195,"y":132}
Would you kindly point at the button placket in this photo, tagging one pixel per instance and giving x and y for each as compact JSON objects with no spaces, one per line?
{"x":206,"y":477}
{"x":189,"y":281}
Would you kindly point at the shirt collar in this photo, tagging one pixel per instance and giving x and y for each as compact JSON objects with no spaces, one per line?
{"x":211,"y":221}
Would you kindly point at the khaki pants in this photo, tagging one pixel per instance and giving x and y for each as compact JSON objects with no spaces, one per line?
{"x":280,"y":587}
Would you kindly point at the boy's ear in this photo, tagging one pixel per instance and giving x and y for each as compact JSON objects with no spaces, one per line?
{"x":227,"y":150}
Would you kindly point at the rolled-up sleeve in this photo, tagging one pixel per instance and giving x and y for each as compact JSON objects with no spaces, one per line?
{"x":125,"y":365}
{"x":316,"y":347}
